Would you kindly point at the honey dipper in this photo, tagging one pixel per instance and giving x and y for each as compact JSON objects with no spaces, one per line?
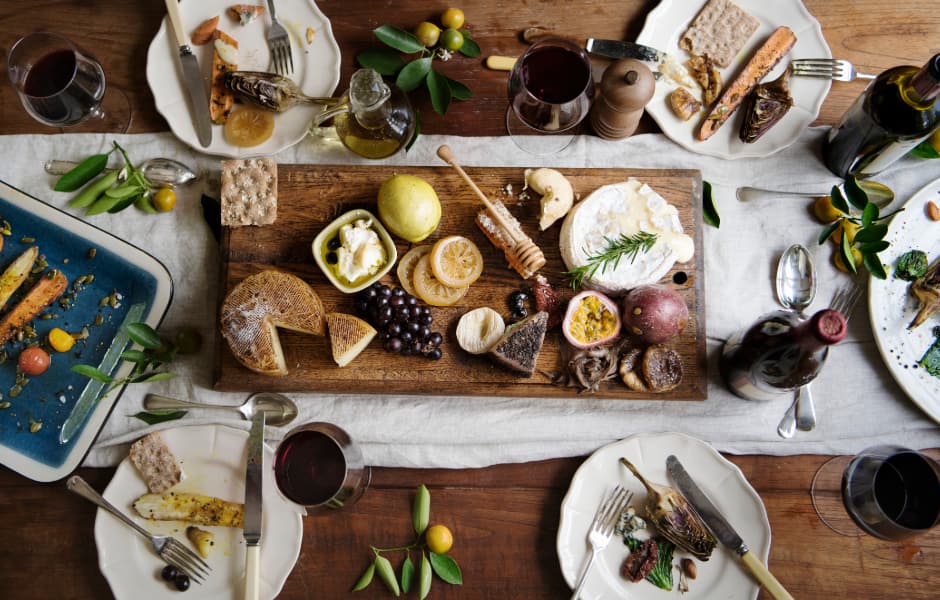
{"x":522,"y":253}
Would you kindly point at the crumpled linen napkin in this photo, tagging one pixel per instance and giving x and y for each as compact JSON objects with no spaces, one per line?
{"x":858,"y":402}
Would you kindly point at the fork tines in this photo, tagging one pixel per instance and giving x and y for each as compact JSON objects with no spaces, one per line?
{"x":605,"y":519}
{"x":184,"y":559}
{"x":845,"y":298}
{"x":819,"y":68}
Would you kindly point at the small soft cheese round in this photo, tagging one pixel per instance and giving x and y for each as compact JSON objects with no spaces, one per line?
{"x":257,"y":306}
{"x":618,"y":209}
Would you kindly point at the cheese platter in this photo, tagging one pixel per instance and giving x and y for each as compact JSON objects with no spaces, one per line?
{"x":310,"y":197}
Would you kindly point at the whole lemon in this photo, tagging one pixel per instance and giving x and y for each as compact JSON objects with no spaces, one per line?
{"x":409,"y":207}
{"x":439,"y":539}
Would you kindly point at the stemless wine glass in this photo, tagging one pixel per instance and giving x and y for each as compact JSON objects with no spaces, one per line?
{"x":887,"y":491}
{"x":550,"y":92}
{"x":320,"y":467}
{"x":62,"y":86}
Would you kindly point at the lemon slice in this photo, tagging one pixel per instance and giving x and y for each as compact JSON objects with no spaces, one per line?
{"x":432,"y":291}
{"x":406,"y":267}
{"x":249,"y":127}
{"x":456,"y":261}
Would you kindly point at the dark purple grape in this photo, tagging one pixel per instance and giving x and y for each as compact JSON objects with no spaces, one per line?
{"x":434,"y":354}
{"x":362,"y":305}
{"x":393,"y":328}
{"x":411,"y":300}
{"x":435,"y":339}
{"x":414,"y":327}
{"x":181,"y":581}
{"x":417,"y":346}
{"x":406,"y":351}
{"x":393,"y":344}
{"x":385,"y":291}
{"x":381,"y":301}
{"x":396,"y":300}
{"x":398,"y":292}
{"x":425,"y":319}
{"x":406,"y":336}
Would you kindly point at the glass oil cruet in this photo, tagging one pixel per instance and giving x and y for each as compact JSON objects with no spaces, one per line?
{"x":373,"y":119}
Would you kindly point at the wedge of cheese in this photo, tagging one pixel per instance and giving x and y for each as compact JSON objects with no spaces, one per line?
{"x":224,"y":59}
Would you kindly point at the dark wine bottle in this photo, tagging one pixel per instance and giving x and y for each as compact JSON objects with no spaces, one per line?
{"x":897,"y":111}
{"x":779,"y":353}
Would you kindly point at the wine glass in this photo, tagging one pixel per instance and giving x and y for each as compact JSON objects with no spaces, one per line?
{"x":550,"y":92}
{"x":63,"y":86}
{"x":320,"y":467}
{"x":886,"y":491}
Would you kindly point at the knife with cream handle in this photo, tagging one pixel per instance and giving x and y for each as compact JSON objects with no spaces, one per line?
{"x":722,"y":529}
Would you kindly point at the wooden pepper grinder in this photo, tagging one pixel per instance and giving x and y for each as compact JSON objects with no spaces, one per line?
{"x":626,"y":87}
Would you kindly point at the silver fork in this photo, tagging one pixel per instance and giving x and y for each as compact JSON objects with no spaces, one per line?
{"x":279,"y":44}
{"x":844,"y":301}
{"x":602,"y":528}
{"x":827,"y":68}
{"x":167,"y":547}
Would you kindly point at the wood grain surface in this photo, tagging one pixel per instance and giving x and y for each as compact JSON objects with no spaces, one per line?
{"x":505,"y":517}
{"x":310,"y":196}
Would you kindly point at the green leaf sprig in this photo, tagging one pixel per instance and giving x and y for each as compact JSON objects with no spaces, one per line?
{"x":107,"y":194}
{"x":148,"y":363}
{"x":709,"y":210}
{"x":625,"y":246}
{"x":412,"y":74}
{"x":870,"y":227}
{"x":430,"y":563}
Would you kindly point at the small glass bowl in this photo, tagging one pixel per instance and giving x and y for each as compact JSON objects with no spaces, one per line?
{"x":319,"y":250}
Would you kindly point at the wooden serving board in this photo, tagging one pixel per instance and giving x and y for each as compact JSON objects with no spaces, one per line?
{"x":309,"y":197}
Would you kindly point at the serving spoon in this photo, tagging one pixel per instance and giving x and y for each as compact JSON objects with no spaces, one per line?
{"x":279,"y":409}
{"x":160,"y":171}
{"x":796,"y":288}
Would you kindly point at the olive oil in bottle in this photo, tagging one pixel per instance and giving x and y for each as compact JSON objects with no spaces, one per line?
{"x":896,"y":112}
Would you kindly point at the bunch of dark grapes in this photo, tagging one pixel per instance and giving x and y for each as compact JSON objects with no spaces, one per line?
{"x":404,"y":324}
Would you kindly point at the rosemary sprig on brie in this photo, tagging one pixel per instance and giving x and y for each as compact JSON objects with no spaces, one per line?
{"x":616,"y":249}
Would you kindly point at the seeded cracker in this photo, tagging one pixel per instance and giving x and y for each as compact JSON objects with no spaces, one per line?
{"x":156,"y":463}
{"x":249,"y":192}
{"x":719,"y":31}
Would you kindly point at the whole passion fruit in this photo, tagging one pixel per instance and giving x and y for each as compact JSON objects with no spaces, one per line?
{"x":654,"y":313}
{"x":592,"y":319}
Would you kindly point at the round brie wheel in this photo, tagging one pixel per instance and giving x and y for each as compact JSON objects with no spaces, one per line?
{"x":624,"y":209}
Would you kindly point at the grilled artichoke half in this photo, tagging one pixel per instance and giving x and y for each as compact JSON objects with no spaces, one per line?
{"x":764,"y":106}
{"x":927,"y":291}
{"x":267,"y":90}
{"x":675,"y":518}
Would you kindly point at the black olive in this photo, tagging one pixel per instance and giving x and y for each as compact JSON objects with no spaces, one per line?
{"x":331,"y":258}
{"x":182,"y":582}
{"x":334,"y":243}
{"x":169,"y":573}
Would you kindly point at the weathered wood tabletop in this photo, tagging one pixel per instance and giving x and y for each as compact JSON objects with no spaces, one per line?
{"x":504,"y":517}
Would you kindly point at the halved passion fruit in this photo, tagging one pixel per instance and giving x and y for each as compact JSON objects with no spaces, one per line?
{"x":592,"y":319}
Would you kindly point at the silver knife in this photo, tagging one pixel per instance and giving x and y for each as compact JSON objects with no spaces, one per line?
{"x":252,"y":522}
{"x":192,"y":77}
{"x":721,"y":528}
{"x":618,"y":49}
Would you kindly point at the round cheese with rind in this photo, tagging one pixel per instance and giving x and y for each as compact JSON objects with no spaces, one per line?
{"x":624,"y":209}
{"x":257,"y":306}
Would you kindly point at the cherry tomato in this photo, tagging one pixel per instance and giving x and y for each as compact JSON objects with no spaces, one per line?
{"x":427,"y":33}
{"x":164,"y":200}
{"x":34,"y":361}
{"x":452,"y":39}
{"x":452,"y":18}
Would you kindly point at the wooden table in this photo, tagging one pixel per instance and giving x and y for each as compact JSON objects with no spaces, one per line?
{"x":504,"y":517}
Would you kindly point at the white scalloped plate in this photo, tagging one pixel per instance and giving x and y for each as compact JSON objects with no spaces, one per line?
{"x":316,"y":70}
{"x":892,"y":308}
{"x":213,"y":461}
{"x":666,"y":23}
{"x":722,"y":576}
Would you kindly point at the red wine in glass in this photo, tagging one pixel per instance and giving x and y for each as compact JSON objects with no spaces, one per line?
{"x":551,"y":87}
{"x":318,"y":465}
{"x":61,"y":86}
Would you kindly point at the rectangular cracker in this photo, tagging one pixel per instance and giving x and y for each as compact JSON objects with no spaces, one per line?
{"x":719,"y":31}
{"x":249,"y":192}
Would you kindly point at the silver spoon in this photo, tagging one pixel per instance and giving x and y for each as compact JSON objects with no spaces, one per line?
{"x":796,"y":288}
{"x":279,"y":409}
{"x":160,"y":171}
{"x":877,"y":192}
